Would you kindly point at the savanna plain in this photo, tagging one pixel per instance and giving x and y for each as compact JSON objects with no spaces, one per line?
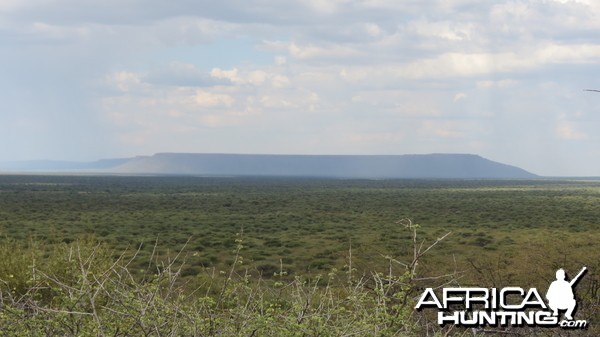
{"x":203,"y":256}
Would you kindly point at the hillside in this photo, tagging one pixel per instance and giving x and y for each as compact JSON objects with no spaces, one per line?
{"x":457,"y":166}
{"x":450,"y":166}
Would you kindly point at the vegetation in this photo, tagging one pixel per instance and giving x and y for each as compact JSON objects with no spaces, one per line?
{"x":162,"y":255}
{"x":79,"y":290}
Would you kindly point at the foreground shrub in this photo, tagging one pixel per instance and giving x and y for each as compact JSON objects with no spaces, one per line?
{"x":81,"y":289}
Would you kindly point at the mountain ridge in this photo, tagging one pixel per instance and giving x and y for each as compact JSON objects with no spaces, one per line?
{"x":435,"y":165}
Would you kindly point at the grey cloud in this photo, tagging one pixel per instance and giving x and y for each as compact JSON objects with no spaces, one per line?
{"x":54,"y":50}
{"x":192,"y":22}
{"x":183,"y":75}
{"x":115,"y":12}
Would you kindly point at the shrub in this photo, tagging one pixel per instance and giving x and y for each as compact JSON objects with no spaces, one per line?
{"x":80,"y":289}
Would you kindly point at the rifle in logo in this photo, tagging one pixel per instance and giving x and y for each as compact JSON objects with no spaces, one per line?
{"x":560,"y":293}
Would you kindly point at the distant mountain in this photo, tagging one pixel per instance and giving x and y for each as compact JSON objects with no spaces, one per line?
{"x":450,"y":166}
{"x":61,"y":166}
{"x":458,"y":166}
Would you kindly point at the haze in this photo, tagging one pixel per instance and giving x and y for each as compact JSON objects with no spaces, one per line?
{"x":108,"y":79}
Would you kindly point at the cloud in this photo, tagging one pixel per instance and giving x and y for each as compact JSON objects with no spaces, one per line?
{"x":568,"y":131}
{"x":502,"y":84}
{"x":206,"y":99}
{"x":123,"y":80}
{"x":460,"y":96}
{"x":182,"y":74}
{"x":375,"y":76}
{"x":443,"y":129}
{"x":252,"y":77}
{"x":444,"y":30}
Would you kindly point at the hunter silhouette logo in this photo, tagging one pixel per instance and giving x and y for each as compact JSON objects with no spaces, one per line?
{"x":560,"y":294}
{"x":509,"y":306}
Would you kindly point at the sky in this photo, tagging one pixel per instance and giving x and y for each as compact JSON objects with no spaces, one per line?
{"x":85,"y":80}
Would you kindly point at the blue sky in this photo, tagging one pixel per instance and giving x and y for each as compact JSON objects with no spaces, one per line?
{"x":104,"y":79}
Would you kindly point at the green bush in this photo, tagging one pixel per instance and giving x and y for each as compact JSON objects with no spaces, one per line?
{"x":81,"y":289}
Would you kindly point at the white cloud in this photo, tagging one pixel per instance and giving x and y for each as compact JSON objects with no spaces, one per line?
{"x":568,"y":131}
{"x":452,"y":31}
{"x":459,"y":96}
{"x":505,"y":83}
{"x":231,"y":75}
{"x":310,"y":51}
{"x":373,"y":29}
{"x":280,"y":81}
{"x":324,"y":7}
{"x":312,"y":76}
{"x":206,"y":99}
{"x":124,"y":80}
{"x":255,"y":77}
{"x":275,"y":102}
